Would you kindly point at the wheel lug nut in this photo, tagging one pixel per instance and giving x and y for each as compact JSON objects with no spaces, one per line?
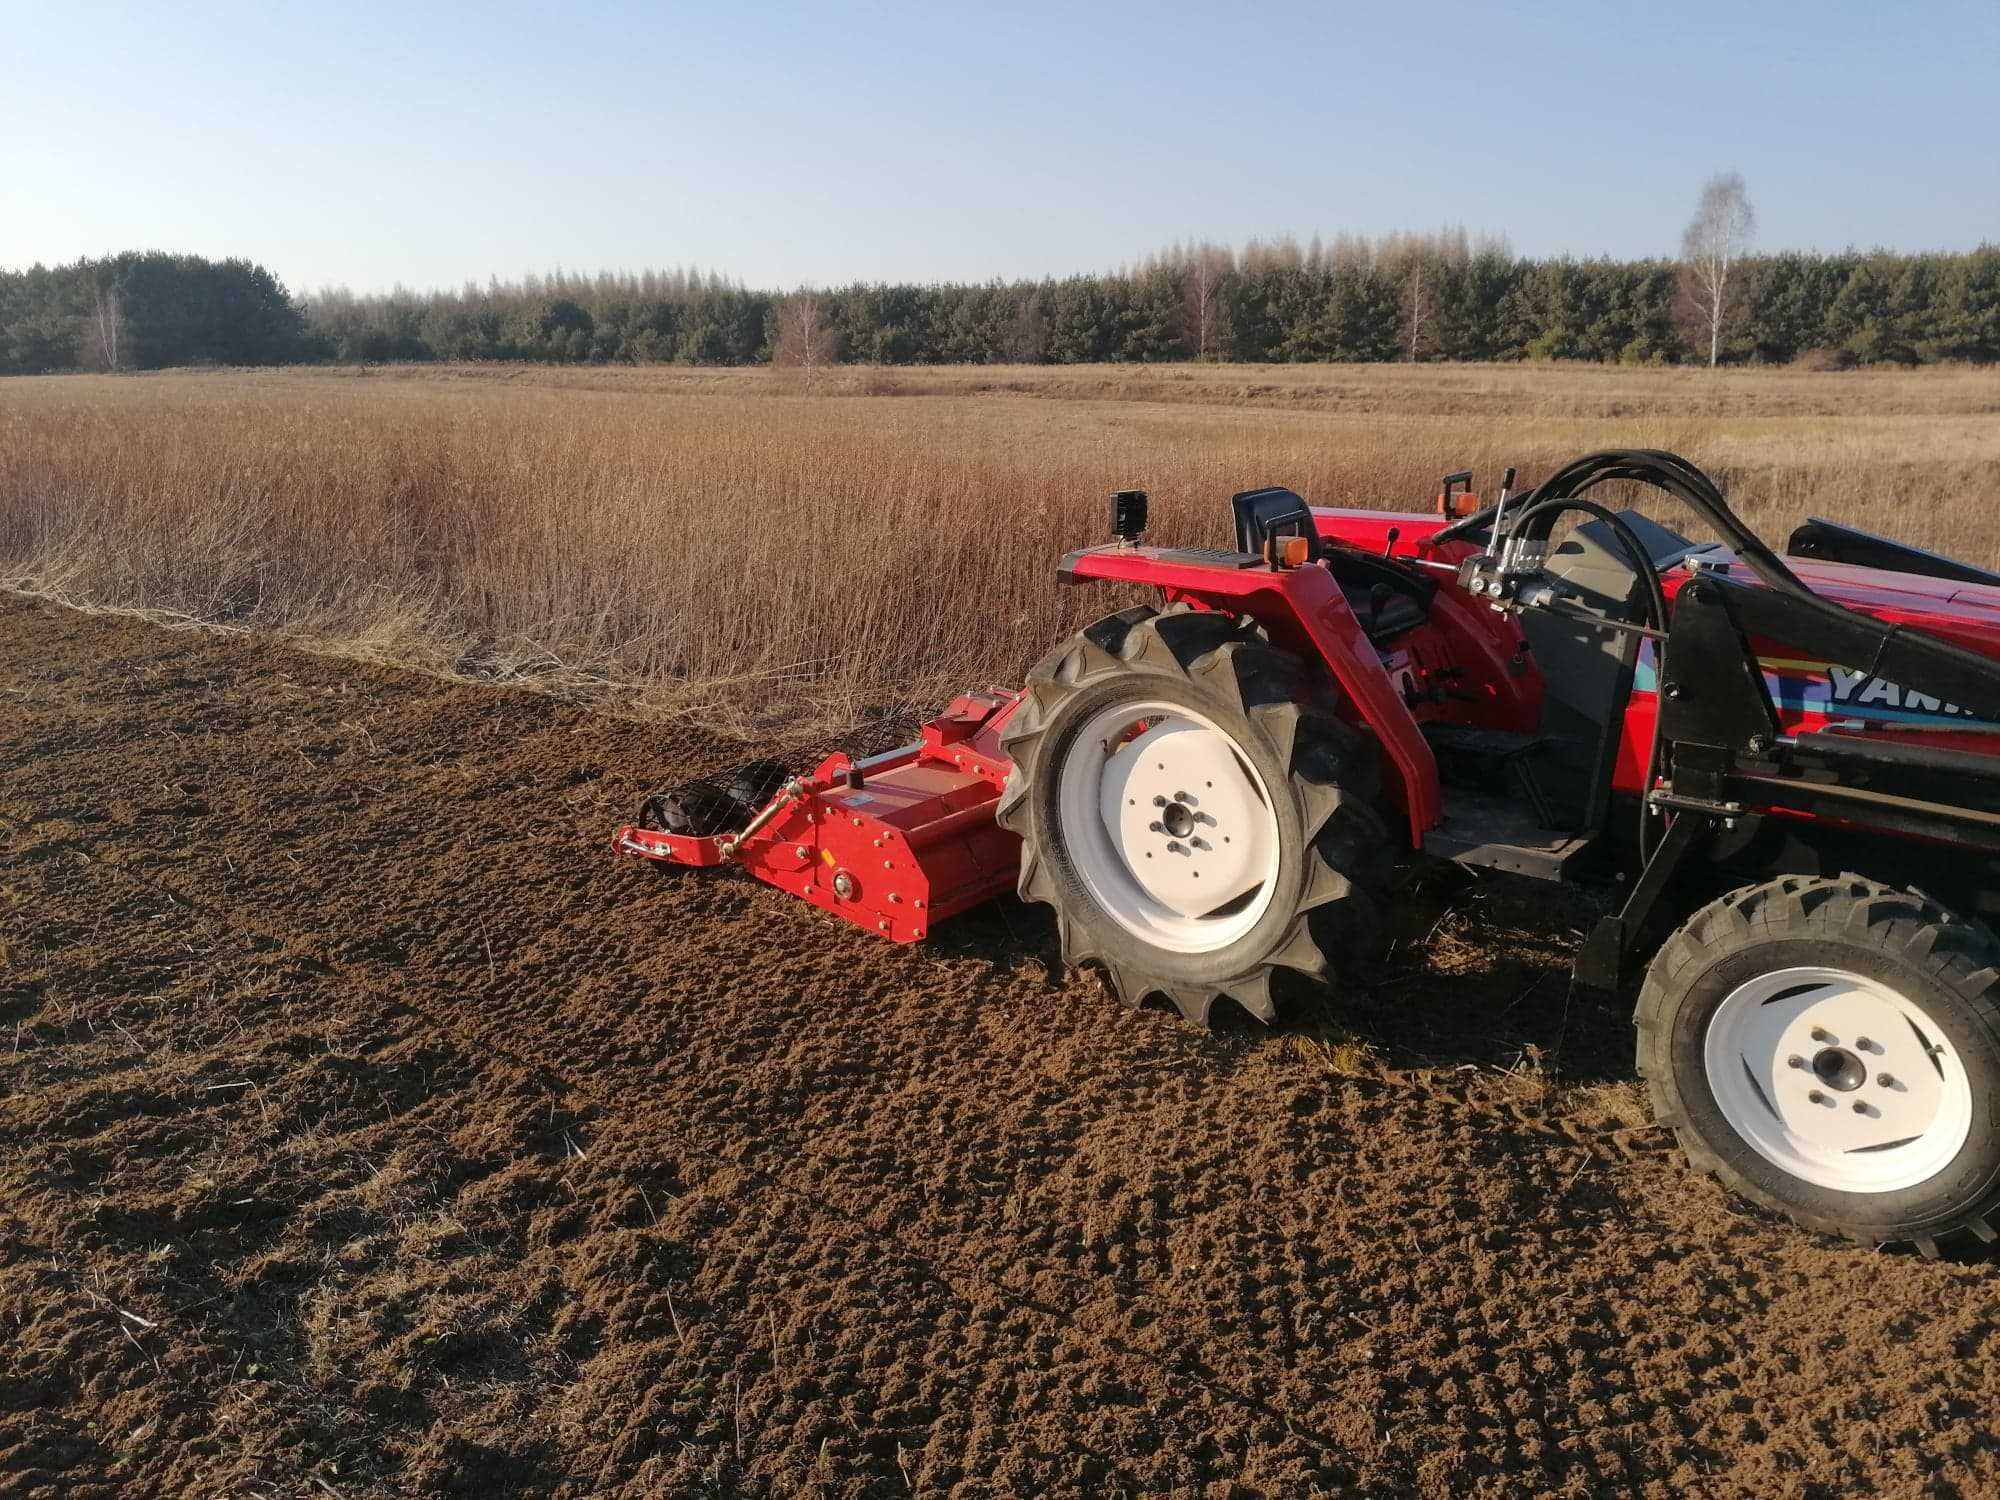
{"x":1795,"y":1061}
{"x":1883,"y":1080}
{"x":1156,"y":828}
{"x":1864,"y":1044}
{"x":1817,"y":1097}
{"x":1821,"y":1034}
{"x":1860,"y":1108}
{"x":1159,"y":802}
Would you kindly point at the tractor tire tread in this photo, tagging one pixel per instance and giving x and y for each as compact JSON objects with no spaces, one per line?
{"x":1333,"y":763}
{"x":1961,"y":955}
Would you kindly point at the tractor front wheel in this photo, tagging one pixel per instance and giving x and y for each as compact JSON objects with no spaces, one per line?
{"x":1831,"y":1049}
{"x":1195,"y":811}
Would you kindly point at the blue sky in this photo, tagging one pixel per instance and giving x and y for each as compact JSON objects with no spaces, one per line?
{"x":367,"y":144}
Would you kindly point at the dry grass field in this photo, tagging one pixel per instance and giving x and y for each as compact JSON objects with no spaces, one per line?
{"x":735,"y":543}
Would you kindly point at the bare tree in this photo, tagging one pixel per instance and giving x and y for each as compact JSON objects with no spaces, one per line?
{"x":804,"y":340}
{"x":106,"y":319}
{"x":1716,"y":239}
{"x":1418,"y":309}
{"x":1201,"y":284}
{"x":1026,"y":333}
{"x":1280,"y":254}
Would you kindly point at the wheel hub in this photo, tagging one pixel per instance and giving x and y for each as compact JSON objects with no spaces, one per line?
{"x":1168,"y":825}
{"x":1187,"y":820}
{"x":1838,"y":1068}
{"x":1838,"y":1078}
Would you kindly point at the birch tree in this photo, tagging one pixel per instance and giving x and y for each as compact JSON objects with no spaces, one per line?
{"x":1201,"y":286}
{"x":1715,"y":242}
{"x":1417,"y":301}
{"x":803,"y":340}
{"x":106,"y":317}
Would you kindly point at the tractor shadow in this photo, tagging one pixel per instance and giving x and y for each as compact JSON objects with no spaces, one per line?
{"x":1015,"y":940}
{"x":1476,"y":973}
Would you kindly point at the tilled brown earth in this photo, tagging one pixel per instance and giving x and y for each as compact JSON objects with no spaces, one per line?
{"x":368,"y":1129}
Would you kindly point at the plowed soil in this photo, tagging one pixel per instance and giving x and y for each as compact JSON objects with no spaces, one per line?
{"x":369,"y":1130}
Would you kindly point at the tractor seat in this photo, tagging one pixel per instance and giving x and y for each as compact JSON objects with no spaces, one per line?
{"x":1386,"y":599}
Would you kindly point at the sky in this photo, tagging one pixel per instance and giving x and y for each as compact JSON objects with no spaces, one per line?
{"x":426,"y":144}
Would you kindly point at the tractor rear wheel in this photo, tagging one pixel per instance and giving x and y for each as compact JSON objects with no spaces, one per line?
{"x":1195,"y":811}
{"x":1831,"y":1049}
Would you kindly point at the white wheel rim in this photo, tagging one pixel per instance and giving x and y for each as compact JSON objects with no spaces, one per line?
{"x":1168,"y":825}
{"x":1797,"y":1059}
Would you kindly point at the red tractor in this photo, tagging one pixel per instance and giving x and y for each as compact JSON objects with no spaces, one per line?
{"x":1787,"y":770}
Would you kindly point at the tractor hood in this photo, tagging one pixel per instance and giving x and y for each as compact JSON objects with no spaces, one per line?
{"x":1967,"y":613}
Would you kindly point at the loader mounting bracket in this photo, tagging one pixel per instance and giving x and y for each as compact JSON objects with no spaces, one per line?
{"x":1606,"y":959}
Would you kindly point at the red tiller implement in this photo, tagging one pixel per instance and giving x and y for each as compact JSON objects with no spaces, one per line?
{"x":893,"y":842}
{"x":1782,"y":775}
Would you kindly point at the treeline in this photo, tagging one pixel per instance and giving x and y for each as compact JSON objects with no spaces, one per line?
{"x":1431,"y":297}
{"x":1405,"y":297}
{"x":147,"y":310}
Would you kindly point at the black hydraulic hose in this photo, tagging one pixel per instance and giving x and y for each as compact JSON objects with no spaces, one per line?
{"x":1675,"y":476}
{"x":1664,"y":471}
{"x":1656,"y":610}
{"x":1915,"y":656}
{"x":1642,"y":560}
{"x":1916,"y":653}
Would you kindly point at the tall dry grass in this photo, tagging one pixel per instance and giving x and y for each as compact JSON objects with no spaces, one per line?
{"x":728,"y":544}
